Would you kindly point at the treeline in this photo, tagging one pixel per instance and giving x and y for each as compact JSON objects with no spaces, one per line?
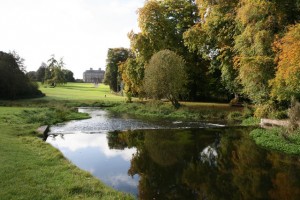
{"x":52,"y":73}
{"x":14,"y":83}
{"x":232,"y":49}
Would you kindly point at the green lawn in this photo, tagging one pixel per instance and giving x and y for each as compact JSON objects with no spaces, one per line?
{"x":33,"y":169}
{"x":80,"y":92}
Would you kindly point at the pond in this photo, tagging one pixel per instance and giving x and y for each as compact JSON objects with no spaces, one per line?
{"x":176,"y":160}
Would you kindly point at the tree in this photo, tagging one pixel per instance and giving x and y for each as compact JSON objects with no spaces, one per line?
{"x":19,"y":60}
{"x":68,"y":75}
{"x":115,"y":57}
{"x":41,"y":72}
{"x":32,"y":75}
{"x":132,"y":73}
{"x":258,"y":23}
{"x":213,"y":39}
{"x":286,"y":83}
{"x":54,"y":75}
{"x":13,"y":81}
{"x":165,"y":77}
{"x":162,"y":25}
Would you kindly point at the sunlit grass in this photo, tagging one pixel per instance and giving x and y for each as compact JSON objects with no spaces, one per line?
{"x":33,"y":169}
{"x":80,"y":92}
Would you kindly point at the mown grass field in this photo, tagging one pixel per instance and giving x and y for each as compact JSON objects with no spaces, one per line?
{"x":80,"y":92}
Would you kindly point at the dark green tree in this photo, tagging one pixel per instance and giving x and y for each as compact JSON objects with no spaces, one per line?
{"x":14,"y":83}
{"x":69,"y":76}
{"x":41,"y":72}
{"x":32,"y":75}
{"x":115,"y":57}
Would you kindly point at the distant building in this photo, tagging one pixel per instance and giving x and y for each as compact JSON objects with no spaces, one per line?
{"x":93,"y":76}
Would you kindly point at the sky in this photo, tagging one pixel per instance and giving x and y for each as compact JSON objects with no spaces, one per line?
{"x":79,"y":31}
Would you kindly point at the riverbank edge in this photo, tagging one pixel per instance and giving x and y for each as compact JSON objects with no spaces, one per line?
{"x":13,"y":121}
{"x":275,"y":139}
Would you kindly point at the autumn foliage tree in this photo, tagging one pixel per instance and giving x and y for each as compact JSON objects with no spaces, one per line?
{"x":255,"y":59}
{"x":287,"y":80}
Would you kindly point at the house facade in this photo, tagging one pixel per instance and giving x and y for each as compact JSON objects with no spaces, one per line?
{"x":93,"y":76}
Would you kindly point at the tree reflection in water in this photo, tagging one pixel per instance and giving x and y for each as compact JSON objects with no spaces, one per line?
{"x":207,"y":164}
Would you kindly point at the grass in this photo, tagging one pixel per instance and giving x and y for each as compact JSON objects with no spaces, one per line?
{"x":277,"y":139}
{"x":33,"y":169}
{"x":163,"y":110}
{"x":80,"y":92}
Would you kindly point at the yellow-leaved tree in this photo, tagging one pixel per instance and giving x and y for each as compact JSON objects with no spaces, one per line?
{"x":287,"y":80}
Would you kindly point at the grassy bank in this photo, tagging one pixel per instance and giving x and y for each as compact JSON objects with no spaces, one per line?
{"x":188,"y":111}
{"x":278,"y":139}
{"x":33,"y":169}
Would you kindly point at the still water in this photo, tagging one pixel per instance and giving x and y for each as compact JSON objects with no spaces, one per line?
{"x":176,"y":160}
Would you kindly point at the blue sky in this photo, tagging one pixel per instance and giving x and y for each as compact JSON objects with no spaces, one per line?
{"x":80,"y":31}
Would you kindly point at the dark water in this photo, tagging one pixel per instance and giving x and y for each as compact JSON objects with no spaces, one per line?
{"x":184,"y":163}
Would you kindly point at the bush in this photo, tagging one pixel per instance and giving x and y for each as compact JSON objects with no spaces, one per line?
{"x":248,"y":111}
{"x":235,"y":116}
{"x":294,"y":115}
{"x":279,"y":114}
{"x":251,"y":121}
{"x":263,"y":110}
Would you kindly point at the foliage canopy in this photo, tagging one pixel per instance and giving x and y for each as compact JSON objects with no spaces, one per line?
{"x":165,"y":76}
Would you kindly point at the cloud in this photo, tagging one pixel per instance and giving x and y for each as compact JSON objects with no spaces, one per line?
{"x":76,"y":142}
{"x":81,"y":31}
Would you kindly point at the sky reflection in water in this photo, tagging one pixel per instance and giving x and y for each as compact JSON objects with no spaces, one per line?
{"x":92,"y":153}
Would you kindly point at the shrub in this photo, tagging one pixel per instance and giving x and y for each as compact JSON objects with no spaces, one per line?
{"x":294,"y":114}
{"x":233,"y":116}
{"x":263,"y":110}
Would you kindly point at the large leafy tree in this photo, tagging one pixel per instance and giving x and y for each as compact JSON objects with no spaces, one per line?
{"x":162,"y":25}
{"x":41,"y":72}
{"x":287,"y":80}
{"x":68,"y":75}
{"x":257,"y":21}
{"x":13,"y":81}
{"x":115,"y":57}
{"x":54,"y":75}
{"x":165,"y":76}
{"x":132,"y":73}
{"x":213,"y":39}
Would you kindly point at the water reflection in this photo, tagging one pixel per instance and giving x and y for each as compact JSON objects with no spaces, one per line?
{"x":92,"y":153}
{"x":207,"y":163}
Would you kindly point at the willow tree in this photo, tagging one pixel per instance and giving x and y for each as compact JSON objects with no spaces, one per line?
{"x":165,"y":77}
